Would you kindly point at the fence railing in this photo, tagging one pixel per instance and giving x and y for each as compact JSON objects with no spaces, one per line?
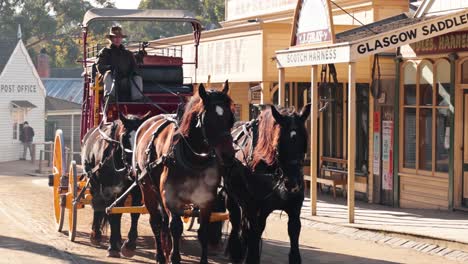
{"x":47,"y":155}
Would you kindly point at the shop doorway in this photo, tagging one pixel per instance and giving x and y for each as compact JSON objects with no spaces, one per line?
{"x":465,"y":150}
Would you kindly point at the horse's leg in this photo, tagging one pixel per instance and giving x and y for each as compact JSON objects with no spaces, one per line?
{"x":156,"y":223}
{"x":176,"y":231}
{"x":204,"y":218}
{"x":149,"y":196}
{"x":129,"y":246}
{"x":115,"y":240}
{"x":96,"y":233}
{"x":254,"y":236}
{"x":294,"y":229}
{"x":235,"y":248}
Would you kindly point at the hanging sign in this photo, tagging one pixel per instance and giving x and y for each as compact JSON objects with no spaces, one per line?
{"x":387,"y":155}
{"x":313,"y":23}
{"x":410,"y":34}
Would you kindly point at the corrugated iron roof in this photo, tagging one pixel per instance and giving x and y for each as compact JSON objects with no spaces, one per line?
{"x":69,"y":89}
{"x":54,"y":104}
{"x":66,"y":72}
{"x":375,"y":28}
{"x":6,"y":49}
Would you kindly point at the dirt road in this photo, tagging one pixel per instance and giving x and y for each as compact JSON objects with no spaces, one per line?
{"x":28,"y":235}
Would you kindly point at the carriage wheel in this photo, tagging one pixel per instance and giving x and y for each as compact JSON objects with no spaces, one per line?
{"x":72,"y":212}
{"x":58,"y":171}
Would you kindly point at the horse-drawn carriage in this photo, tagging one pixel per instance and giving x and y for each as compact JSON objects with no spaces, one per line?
{"x":177,"y":161}
{"x":164,"y":88}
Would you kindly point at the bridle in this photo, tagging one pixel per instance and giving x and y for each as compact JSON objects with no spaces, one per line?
{"x":278,"y":175}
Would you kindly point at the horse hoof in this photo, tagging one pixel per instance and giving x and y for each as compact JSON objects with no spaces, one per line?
{"x":95,"y":240}
{"x":126,"y":250}
{"x":175,"y":259}
{"x":160,"y":259}
{"x":113,"y":254}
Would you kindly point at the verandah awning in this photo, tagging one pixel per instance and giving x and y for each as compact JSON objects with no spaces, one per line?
{"x":23,"y":104}
{"x":381,"y":42}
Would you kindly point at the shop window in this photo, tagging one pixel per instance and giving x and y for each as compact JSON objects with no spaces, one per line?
{"x":426,"y":116}
{"x":17,"y":117}
{"x":409,"y":110}
{"x":464,"y":75}
{"x":333,"y":127}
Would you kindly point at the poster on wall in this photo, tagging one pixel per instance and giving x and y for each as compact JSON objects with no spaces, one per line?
{"x":376,"y":131}
{"x":316,"y":30}
{"x":387,"y":155}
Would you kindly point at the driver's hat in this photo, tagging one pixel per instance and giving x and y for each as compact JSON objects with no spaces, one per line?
{"x":116,"y":31}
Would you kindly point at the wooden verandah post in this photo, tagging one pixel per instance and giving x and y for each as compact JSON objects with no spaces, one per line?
{"x":313,"y":139}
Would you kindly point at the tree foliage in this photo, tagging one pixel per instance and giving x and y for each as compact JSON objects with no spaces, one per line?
{"x":54,"y":24}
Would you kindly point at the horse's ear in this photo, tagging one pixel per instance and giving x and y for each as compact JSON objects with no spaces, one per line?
{"x":305,"y":112}
{"x":276,"y":115}
{"x":123,"y":118}
{"x":146,"y":116}
{"x":202,"y":92}
{"x":226,"y":87}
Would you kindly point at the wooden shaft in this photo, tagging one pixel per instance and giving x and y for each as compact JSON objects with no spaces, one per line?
{"x":129,"y":209}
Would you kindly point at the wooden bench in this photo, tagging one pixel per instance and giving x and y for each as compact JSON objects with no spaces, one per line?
{"x":337,"y":168}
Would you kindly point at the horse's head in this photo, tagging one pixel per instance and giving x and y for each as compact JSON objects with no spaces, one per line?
{"x":291,"y":145}
{"x":212,"y":115}
{"x":217,"y":120}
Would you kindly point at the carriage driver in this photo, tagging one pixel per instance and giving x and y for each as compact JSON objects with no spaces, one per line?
{"x":118,"y":66}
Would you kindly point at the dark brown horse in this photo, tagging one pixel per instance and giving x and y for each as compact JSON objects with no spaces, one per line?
{"x":107,"y":158}
{"x":182,"y":164}
{"x":268,"y":176}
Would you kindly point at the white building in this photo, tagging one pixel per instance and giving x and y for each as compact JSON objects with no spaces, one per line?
{"x":22,"y":98}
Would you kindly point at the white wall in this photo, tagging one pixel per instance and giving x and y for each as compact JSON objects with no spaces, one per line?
{"x":18,"y":73}
{"x":446,"y":5}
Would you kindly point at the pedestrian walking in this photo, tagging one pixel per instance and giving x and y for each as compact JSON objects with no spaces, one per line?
{"x":26,"y":137}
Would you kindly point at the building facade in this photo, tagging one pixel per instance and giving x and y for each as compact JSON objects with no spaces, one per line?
{"x":22,"y":98}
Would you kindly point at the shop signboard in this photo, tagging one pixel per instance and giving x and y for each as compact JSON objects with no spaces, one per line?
{"x":238,"y":9}
{"x":410,"y":34}
{"x":313,"y":56}
{"x":308,"y":31}
{"x":455,"y":41}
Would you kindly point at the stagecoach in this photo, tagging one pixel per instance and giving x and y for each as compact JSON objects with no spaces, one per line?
{"x":164,"y":87}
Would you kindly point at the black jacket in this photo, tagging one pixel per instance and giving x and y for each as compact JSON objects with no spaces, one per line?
{"x":117,"y":59}
{"x":27,"y":134}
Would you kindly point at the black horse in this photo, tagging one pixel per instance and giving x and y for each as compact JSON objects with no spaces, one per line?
{"x":268,"y":176}
{"x":107,"y":158}
{"x":179,"y":164}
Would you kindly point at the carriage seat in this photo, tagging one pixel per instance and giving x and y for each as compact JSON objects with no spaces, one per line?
{"x":163,"y":79}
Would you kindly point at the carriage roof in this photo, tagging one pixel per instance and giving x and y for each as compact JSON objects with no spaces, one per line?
{"x":111,"y":14}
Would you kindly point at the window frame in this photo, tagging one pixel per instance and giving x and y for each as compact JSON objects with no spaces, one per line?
{"x":418,"y":106}
{"x":17,"y":115}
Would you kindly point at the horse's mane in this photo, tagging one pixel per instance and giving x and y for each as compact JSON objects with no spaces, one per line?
{"x":268,"y":138}
{"x":194,"y":107}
